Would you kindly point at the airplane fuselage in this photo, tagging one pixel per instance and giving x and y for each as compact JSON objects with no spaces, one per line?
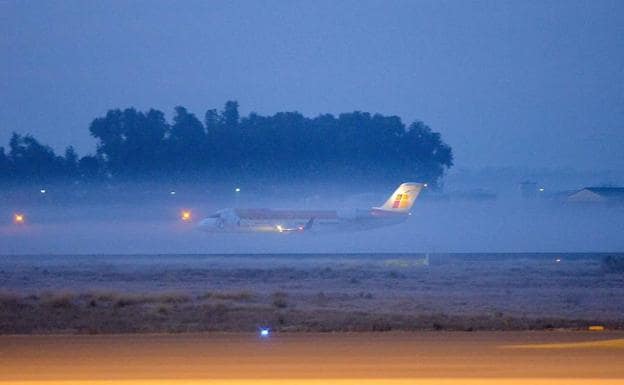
{"x":282,"y":221}
{"x":395,"y":210}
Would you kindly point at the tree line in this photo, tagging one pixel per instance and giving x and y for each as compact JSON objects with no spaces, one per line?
{"x":133,"y":144}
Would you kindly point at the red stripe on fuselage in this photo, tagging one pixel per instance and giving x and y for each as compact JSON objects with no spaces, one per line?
{"x":261,"y":214}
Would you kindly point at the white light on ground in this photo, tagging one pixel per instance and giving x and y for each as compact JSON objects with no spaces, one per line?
{"x":172,"y":193}
{"x":264,"y":332}
{"x":558,"y":260}
{"x":541,"y":189}
{"x":43,"y":191}
{"x":237,"y":189}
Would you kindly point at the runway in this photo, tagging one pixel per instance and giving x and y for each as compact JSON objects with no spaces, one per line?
{"x":317,"y":358}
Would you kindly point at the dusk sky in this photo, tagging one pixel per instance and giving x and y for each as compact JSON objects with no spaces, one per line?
{"x":526,"y":83}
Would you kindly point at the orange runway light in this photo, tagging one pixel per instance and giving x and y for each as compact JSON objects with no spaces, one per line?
{"x":19,"y":218}
{"x":185,"y":216}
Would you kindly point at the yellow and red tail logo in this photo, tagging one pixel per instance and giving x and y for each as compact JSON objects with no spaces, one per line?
{"x":401,"y":201}
{"x":403,"y":198}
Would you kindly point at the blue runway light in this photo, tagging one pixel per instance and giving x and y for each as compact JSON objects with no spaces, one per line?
{"x":264,"y":332}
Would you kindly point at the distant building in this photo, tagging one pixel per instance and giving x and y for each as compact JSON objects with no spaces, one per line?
{"x":598,"y":194}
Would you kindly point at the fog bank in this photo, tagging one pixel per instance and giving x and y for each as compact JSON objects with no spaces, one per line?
{"x":135,"y":219}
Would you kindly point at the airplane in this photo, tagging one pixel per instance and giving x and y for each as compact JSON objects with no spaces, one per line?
{"x":394,"y":211}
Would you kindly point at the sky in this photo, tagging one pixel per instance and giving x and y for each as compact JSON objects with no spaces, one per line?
{"x":533,"y":84}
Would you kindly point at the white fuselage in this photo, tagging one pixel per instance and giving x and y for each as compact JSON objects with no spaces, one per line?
{"x":283,"y":221}
{"x":396,"y":209}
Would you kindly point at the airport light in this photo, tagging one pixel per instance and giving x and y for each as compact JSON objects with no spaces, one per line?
{"x":172,"y":192}
{"x":426,"y":185}
{"x":237,"y":189}
{"x":279,"y":228}
{"x":186,"y":215}
{"x":264,"y":332}
{"x":541,"y":189}
{"x":19,"y":218}
{"x":43,"y":191}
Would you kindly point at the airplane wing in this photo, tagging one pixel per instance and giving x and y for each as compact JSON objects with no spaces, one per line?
{"x":287,"y":229}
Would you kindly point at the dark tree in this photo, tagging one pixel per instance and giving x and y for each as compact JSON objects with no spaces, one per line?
{"x":286,"y":145}
{"x":109,"y":131}
{"x":227,"y":147}
{"x":230,"y":114}
{"x":33,"y":161}
{"x":5,"y":166}
{"x":131,"y":142}
{"x":70,"y":163}
{"x":212,"y":122}
{"x":90,"y":168}
{"x":187,"y":142}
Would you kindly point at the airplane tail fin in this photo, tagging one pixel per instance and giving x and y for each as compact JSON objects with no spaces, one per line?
{"x":403,"y":198}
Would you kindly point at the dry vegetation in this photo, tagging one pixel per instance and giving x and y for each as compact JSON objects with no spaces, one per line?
{"x":195,"y":293}
{"x":115,"y":312}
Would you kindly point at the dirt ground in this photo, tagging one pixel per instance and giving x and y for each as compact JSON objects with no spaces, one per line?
{"x":363,"y":292}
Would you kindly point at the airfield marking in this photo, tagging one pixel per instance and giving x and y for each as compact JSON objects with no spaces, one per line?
{"x":604,"y":344}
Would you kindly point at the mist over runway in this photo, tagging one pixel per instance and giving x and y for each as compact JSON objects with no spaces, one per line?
{"x":136,"y":219}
